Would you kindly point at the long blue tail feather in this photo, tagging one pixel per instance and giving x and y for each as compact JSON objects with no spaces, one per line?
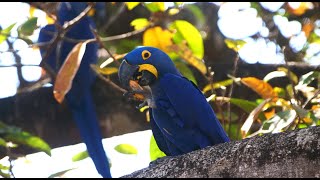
{"x":79,"y":98}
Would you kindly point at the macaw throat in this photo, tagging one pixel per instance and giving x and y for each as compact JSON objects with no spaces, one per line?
{"x":144,"y":74}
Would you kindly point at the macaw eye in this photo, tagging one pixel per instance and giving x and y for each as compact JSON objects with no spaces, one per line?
{"x":145,"y":54}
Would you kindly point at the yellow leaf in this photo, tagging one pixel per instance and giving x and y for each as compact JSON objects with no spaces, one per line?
{"x":270,"y":113}
{"x":131,"y":5}
{"x":50,"y":20}
{"x":108,"y":70}
{"x":139,"y":23}
{"x":173,"y":11}
{"x":307,"y":120}
{"x":186,"y":54}
{"x":261,"y":87}
{"x":31,"y":11}
{"x":216,"y":85}
{"x":236,"y":45}
{"x":67,"y":71}
{"x":308,"y":27}
{"x":300,"y":9}
{"x":91,"y":12}
{"x":158,"y":37}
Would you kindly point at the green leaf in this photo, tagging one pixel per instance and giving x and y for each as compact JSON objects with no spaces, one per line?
{"x":60,"y":173}
{"x":131,"y":5}
{"x":139,"y":23}
{"x":22,"y":137}
{"x":197,"y":13}
{"x":177,"y":4}
{"x":186,"y":31}
{"x":5,"y":175}
{"x":155,"y":6}
{"x":306,"y":79}
{"x":2,"y":167}
{"x":236,"y":45}
{"x":185,"y":71}
{"x":234,"y":131}
{"x":27,"y":28}
{"x":4,"y":33}
{"x":80,"y":156}
{"x":291,"y":75}
{"x":18,"y":136}
{"x":278,"y":121}
{"x":155,"y":152}
{"x":301,"y":126}
{"x":234,"y":116}
{"x":126,"y":149}
{"x":247,"y":106}
{"x":301,"y":112}
{"x":217,"y":85}
{"x":3,"y":143}
{"x":289,"y":90}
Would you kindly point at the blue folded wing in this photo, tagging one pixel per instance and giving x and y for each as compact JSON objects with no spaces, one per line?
{"x":192,"y":111}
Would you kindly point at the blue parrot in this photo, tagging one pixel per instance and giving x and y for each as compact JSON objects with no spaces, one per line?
{"x":181,"y":119}
{"x":79,"y":97}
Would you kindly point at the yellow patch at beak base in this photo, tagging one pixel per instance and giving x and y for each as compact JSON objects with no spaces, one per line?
{"x":149,"y":68}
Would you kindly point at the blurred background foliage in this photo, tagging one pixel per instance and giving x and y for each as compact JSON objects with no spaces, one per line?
{"x":199,"y":37}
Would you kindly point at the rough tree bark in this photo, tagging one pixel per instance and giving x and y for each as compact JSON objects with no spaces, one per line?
{"x":290,"y":154}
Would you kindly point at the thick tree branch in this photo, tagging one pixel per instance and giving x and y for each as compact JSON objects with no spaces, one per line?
{"x":283,"y":155}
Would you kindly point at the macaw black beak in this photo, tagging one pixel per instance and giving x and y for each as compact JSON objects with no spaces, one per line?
{"x":144,"y":74}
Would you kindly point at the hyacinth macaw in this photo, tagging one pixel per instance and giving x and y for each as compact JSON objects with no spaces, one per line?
{"x":181,"y":119}
{"x":79,"y":97}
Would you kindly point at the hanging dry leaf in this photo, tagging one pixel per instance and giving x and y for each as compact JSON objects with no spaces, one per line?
{"x":261,"y":87}
{"x":67,"y":71}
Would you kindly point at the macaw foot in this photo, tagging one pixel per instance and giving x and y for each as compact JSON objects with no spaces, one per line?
{"x":159,"y":161}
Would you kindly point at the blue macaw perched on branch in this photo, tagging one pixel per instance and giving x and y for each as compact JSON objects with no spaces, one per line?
{"x":181,"y":118}
{"x":79,"y":97}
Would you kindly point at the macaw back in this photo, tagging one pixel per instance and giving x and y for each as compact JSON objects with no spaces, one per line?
{"x":183,"y":120}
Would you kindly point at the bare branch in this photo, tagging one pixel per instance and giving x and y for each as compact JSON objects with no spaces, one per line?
{"x":115,"y":86}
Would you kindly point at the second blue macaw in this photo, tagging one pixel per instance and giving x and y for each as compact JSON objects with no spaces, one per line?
{"x":79,"y":98}
{"x":181,"y":118}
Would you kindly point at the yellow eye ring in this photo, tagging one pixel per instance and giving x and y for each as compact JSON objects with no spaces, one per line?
{"x":145,"y":54}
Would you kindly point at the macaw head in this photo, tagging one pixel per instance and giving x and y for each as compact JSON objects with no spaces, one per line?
{"x":145,"y":65}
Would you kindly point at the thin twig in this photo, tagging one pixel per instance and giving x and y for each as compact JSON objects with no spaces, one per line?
{"x":18,"y":65}
{"x":309,"y":100}
{"x":8,"y":149}
{"x":115,"y":16}
{"x":60,"y":33}
{"x":38,"y":84}
{"x":102,"y":45}
{"x":125,"y":35}
{"x":103,"y":39}
{"x":108,"y":81}
{"x":29,"y":46}
{"x":66,"y":26}
{"x":235,"y":67}
{"x":290,"y":79}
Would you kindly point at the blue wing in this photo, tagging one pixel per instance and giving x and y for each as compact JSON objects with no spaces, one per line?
{"x":187,"y":119}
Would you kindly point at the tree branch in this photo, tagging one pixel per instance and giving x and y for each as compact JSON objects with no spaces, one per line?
{"x":282,"y":155}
